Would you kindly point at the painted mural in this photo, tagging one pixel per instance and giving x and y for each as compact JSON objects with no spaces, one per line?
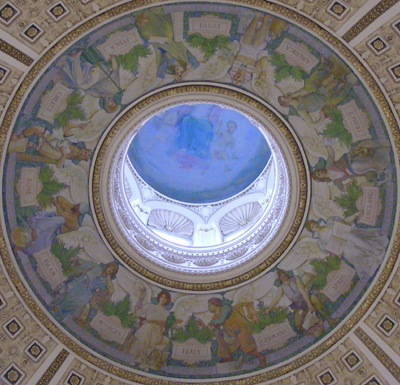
{"x":130,"y":321}
{"x":199,"y":154}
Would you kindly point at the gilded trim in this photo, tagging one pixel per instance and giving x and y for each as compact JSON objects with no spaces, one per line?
{"x":379,"y":353}
{"x":15,"y":53}
{"x":368,"y":19}
{"x":53,"y":368}
{"x":314,"y":353}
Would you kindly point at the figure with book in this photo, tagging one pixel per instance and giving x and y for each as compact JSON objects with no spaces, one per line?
{"x":303,"y":303}
{"x":364,"y":248}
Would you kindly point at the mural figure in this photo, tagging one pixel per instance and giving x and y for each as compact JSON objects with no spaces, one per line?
{"x":195,"y":134}
{"x":38,"y":232}
{"x":99,"y":81}
{"x":73,"y":214}
{"x":232,"y":332}
{"x":306,"y":102}
{"x":50,"y":150}
{"x":173,"y":58}
{"x":252,"y":43}
{"x":293,"y":288}
{"x":223,"y":147}
{"x":78,"y":295}
{"x":369,"y":158}
{"x":364,"y":248}
{"x":151,"y":331}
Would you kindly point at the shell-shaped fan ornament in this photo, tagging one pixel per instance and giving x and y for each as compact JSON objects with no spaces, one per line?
{"x":171,"y":221}
{"x":239,"y":217}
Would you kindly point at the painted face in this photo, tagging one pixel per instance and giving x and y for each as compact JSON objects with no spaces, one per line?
{"x":320,"y":174}
{"x":283,"y":276}
{"x":163,"y":299}
{"x":231,"y":127}
{"x":286,"y":99}
{"x":212,"y":308}
{"x":314,"y":226}
{"x":112,"y":106}
{"x":109,"y":270}
{"x":238,"y":78}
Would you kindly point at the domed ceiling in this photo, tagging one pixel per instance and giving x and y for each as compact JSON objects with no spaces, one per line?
{"x":199,"y":192}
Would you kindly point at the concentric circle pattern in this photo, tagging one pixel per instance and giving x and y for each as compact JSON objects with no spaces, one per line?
{"x":198,"y":191}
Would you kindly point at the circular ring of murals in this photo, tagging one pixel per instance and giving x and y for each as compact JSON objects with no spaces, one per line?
{"x":280,"y":187}
{"x":326,"y":95}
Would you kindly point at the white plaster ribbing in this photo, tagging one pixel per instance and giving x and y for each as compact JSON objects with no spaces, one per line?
{"x":7,"y":59}
{"x":45,"y":365}
{"x":372,"y":358}
{"x":56,"y":380}
{"x":357,"y":16}
{"x":18,"y":45}
{"x":373,"y":27}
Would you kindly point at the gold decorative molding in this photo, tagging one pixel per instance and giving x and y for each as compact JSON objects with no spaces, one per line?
{"x":15,"y":53}
{"x":378,"y":352}
{"x":368,"y":18}
{"x":314,"y":353}
{"x":53,"y":368}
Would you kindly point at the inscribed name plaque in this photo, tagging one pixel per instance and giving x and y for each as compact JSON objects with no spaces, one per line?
{"x":297,"y":55}
{"x":369,"y":205}
{"x":355,"y":121}
{"x":209,"y":26}
{"x":49,"y":267}
{"x":110,"y":328}
{"x":274,"y":336}
{"x":54,"y":102}
{"x":120,"y":43}
{"x":191,"y":351}
{"x":339,"y":282}
{"x":29,"y":186}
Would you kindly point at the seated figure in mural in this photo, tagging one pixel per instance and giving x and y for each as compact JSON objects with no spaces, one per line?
{"x":293,"y":288}
{"x":151,"y":331}
{"x":78,"y":295}
{"x":36,"y":139}
{"x":223,"y":147}
{"x":195,"y":133}
{"x":252,"y":43}
{"x":364,"y":248}
{"x":306,"y":102}
{"x":38,"y":232}
{"x":369,"y":158}
{"x":72,"y":213}
{"x":232,"y":331}
{"x":173,"y":58}
{"x":100,"y":81}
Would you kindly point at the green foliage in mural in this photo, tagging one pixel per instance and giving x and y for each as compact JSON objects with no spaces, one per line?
{"x":347,"y":200}
{"x":193,"y":330}
{"x":51,"y":186}
{"x":74,"y":110}
{"x":130,"y":60}
{"x":65,"y":256}
{"x":121,"y":310}
{"x":322,"y":268}
{"x":335,"y":129}
{"x":276,"y":316}
{"x":284,"y":70}
{"x":208,"y":46}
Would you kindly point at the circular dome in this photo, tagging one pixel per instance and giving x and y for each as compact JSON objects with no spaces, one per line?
{"x":199,"y":153}
{"x":199,"y":243}
{"x":276,"y":269}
